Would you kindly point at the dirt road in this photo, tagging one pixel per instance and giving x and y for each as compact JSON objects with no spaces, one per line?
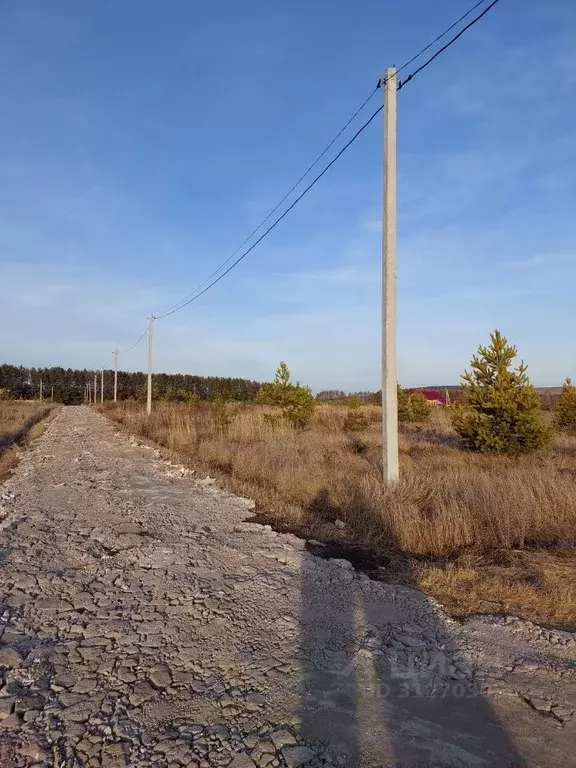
{"x":144,"y":623}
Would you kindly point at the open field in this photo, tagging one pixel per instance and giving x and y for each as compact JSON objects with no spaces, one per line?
{"x":18,"y":420}
{"x":480,"y":533}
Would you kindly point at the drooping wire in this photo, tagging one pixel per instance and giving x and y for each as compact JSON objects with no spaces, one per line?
{"x":197,"y":291}
{"x":427,"y":63}
{"x":440,"y":36}
{"x":282,"y":216}
{"x":129,"y":349}
{"x":310,"y":168}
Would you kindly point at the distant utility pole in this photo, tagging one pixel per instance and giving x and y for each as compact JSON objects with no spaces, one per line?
{"x":40,"y":390}
{"x":95,"y":393}
{"x":150,"y":342}
{"x":390,"y":463}
{"x":52,"y":393}
{"x":115,"y":353}
{"x":89,"y":388}
{"x":102,"y":386}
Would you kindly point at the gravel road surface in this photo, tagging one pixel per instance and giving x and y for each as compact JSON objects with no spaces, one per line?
{"x":145,"y":621}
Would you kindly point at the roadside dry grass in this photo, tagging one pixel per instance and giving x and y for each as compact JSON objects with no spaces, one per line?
{"x":480,"y":533}
{"x":19,"y":421}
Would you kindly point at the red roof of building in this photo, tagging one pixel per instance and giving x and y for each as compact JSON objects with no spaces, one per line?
{"x":432,"y":395}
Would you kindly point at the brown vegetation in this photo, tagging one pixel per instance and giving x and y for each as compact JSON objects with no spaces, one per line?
{"x":481,"y":532}
{"x":18,"y":422}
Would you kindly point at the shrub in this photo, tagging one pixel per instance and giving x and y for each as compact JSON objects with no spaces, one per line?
{"x":565,"y":407}
{"x":221,"y":414}
{"x":412,"y":406}
{"x":356,"y":420}
{"x":499,"y":411}
{"x":267,"y":395}
{"x":404,"y":412}
{"x":296,"y":402}
{"x":273,"y":419}
{"x":142,"y":393}
{"x":420,"y":407}
{"x":180,"y":396}
{"x":298,"y":406}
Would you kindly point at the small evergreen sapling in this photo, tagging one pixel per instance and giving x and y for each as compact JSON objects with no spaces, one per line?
{"x":356,"y":420}
{"x":565,"y":407}
{"x":412,"y":406}
{"x":499,"y":411}
{"x":296,"y":402}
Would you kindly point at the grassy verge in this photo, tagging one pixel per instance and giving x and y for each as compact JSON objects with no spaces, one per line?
{"x":480,"y":533}
{"x":20,"y":421}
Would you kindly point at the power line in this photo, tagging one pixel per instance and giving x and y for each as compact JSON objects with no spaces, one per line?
{"x":279,"y":219}
{"x":441,"y":35}
{"x":448,"y":44}
{"x":276,"y":207}
{"x":197,"y":292}
{"x":129,"y":349}
{"x":185,"y":301}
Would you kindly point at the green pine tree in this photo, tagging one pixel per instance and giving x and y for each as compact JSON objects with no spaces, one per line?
{"x":412,"y":406}
{"x":356,"y":419}
{"x":296,"y":402}
{"x":419,"y":407}
{"x":404,"y":410}
{"x":565,"y":407}
{"x":499,"y":410}
{"x":282,"y":376}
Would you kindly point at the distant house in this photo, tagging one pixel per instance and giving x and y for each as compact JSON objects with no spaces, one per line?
{"x":434,"y":397}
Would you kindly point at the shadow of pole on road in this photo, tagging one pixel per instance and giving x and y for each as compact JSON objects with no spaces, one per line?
{"x":383,"y":685}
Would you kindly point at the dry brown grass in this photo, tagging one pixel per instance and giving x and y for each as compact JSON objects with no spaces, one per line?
{"x":453,"y":522}
{"x":19,"y":422}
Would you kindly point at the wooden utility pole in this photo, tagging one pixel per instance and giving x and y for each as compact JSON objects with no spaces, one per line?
{"x":390,"y":463}
{"x":102,"y":386}
{"x":52,"y":393}
{"x":150,"y":342}
{"x":115,"y":353}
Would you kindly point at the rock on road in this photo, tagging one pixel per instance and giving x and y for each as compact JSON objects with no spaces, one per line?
{"x":145,"y":622}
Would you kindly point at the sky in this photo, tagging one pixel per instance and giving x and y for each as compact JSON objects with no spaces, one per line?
{"x":141,"y":142}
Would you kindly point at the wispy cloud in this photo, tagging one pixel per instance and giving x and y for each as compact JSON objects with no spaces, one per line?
{"x":117,"y":197}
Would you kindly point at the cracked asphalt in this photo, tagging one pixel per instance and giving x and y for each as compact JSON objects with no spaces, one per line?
{"x":145,"y":621}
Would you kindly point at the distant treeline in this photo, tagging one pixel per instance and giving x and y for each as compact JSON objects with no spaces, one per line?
{"x":375,"y":398}
{"x":548,"y":395}
{"x":339,"y":396}
{"x":69,"y":385}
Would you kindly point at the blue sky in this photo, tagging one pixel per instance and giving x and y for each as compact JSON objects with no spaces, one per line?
{"x":141,"y":142}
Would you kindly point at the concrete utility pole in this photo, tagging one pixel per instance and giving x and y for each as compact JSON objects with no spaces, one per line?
{"x":390,"y":463}
{"x":115,"y":353}
{"x":89,"y":388}
{"x":95,"y":393}
{"x":150,"y":341}
{"x":52,"y":393}
{"x":40,"y":390}
{"x":102,"y":386}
